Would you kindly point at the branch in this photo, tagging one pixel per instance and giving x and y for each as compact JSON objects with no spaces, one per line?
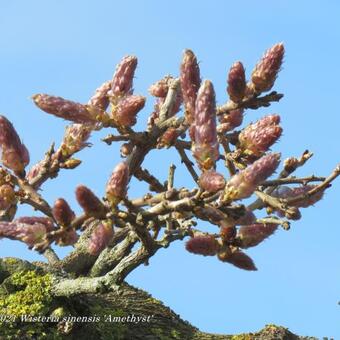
{"x":188,"y":163}
{"x":154,"y":183}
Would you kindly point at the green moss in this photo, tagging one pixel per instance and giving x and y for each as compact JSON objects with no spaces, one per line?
{"x":28,"y":293}
{"x":175,"y":334}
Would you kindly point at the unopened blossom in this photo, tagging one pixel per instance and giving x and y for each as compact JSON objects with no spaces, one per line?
{"x":125,"y":112}
{"x":100,"y":238}
{"x":100,"y":98}
{"x":116,"y":187}
{"x":230,"y":121}
{"x":211,"y":181}
{"x":245,"y":182}
{"x":7,"y":196}
{"x":190,"y":83}
{"x":258,"y":137}
{"x":122,"y":81}
{"x":62,"y":212}
{"x":14,"y":154}
{"x":254,"y":234}
{"x":205,"y":245}
{"x":267,"y":69}
{"x":238,"y":258}
{"x":68,"y":109}
{"x":205,"y":145}
{"x":30,"y":230}
{"x":236,"y":82}
{"x":90,"y":203}
{"x":126,"y":149}
{"x":75,"y":138}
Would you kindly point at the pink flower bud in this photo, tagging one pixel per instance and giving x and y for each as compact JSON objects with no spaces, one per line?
{"x":257,"y":138}
{"x":190,"y":83}
{"x":239,"y":260}
{"x":205,"y":146}
{"x":30,"y":230}
{"x":205,"y":245}
{"x":126,"y":110}
{"x":236,"y":82}
{"x":116,"y":187}
{"x":90,"y":203}
{"x":15,"y":156}
{"x":62,"y":212}
{"x":126,"y":149}
{"x":75,"y":138}
{"x":252,"y":235}
{"x":7,"y":196}
{"x":100,"y":238}
{"x":244,"y":183}
{"x":100,"y":98}
{"x":67,"y":109}
{"x":230,"y":121}
{"x":267,"y":69}
{"x":122,"y":81}
{"x":211,"y":181}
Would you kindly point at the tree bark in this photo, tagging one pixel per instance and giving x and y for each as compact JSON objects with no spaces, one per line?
{"x":122,"y":313}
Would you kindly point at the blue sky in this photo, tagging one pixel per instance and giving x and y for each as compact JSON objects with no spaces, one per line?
{"x":68,"y":48}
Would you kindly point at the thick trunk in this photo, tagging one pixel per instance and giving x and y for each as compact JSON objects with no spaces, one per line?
{"x":124,"y":312}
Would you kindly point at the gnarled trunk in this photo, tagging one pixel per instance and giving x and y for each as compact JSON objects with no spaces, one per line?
{"x":123,"y":312}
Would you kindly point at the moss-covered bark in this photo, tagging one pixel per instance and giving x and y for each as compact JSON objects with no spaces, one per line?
{"x":122,"y":313}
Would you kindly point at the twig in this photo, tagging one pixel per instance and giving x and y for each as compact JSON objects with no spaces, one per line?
{"x":250,"y":103}
{"x":292,"y":180}
{"x":154,"y":183}
{"x":275,"y":220}
{"x":169,"y":100}
{"x":187,"y":162}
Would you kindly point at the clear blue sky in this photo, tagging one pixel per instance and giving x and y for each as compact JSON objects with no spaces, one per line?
{"x":68,"y":48}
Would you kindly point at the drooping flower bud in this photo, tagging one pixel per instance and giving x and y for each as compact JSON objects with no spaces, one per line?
{"x":258,"y":137}
{"x":100,"y":238}
{"x":116,"y":187}
{"x":7,"y":196}
{"x":239,"y":259}
{"x":205,"y":146}
{"x":205,"y":245}
{"x":190,"y":83}
{"x":100,"y":98}
{"x":122,"y":81}
{"x":90,"y":203}
{"x":211,"y":181}
{"x":267,"y":69}
{"x":244,"y":183}
{"x":230,"y":121}
{"x":14,"y":156}
{"x":67,"y":109}
{"x":30,"y":230}
{"x":62,"y":212}
{"x":252,"y":235}
{"x":125,"y":112}
{"x":75,"y":139}
{"x":236,"y":82}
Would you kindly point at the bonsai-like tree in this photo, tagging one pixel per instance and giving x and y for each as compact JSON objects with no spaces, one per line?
{"x":117,"y":233}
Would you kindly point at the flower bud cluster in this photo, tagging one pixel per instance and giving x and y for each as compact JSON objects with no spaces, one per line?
{"x":258,"y":137}
{"x":100,"y":237}
{"x":244,"y":183}
{"x":116,"y":187}
{"x":205,"y":145}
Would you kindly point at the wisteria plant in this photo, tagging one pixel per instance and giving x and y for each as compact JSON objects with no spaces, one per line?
{"x":229,"y":163}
